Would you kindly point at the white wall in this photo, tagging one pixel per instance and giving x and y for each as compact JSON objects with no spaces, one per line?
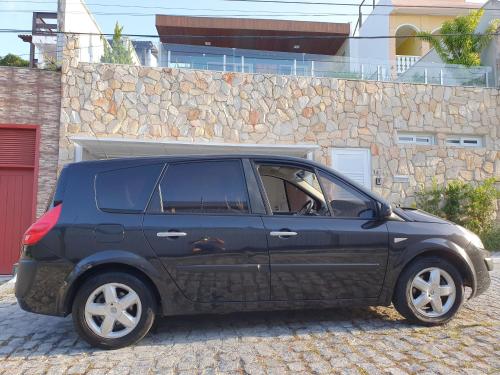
{"x":151,"y":60}
{"x":376,"y":25}
{"x":46,"y":49}
{"x":74,"y":16}
{"x":490,"y":54}
{"x":135,"y":58}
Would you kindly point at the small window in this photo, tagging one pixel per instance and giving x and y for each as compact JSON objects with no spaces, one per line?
{"x":212,"y":187}
{"x":471,"y":142}
{"x":464,"y":141}
{"x":416,"y":139}
{"x":345,"y":201}
{"x":406,"y":139}
{"x":126,"y":189}
{"x":453,"y":141}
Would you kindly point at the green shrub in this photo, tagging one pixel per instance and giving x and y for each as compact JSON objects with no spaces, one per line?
{"x":458,"y":195}
{"x":469,"y":205}
{"x":491,"y":238}
{"x":430,"y":199}
{"x":13,"y":60}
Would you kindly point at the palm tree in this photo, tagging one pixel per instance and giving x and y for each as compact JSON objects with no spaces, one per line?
{"x":457,"y":43}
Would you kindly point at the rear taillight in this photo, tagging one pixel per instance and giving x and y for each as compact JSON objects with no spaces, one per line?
{"x":42,"y":226}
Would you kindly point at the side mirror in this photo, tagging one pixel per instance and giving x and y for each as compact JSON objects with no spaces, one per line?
{"x":385,"y":210}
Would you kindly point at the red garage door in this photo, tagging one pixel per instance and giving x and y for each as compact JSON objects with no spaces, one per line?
{"x":18,"y":160}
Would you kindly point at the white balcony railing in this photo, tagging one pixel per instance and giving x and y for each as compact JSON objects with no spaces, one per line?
{"x":404,"y":62}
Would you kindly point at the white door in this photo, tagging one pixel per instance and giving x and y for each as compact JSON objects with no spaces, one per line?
{"x":354,"y":163}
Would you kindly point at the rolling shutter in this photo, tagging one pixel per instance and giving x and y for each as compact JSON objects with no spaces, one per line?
{"x":17,"y":147}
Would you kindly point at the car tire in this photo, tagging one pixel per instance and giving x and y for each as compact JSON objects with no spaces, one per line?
{"x":420,"y":289}
{"x":113,"y":309}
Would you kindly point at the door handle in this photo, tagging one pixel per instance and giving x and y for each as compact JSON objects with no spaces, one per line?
{"x":283,"y":234}
{"x":171,"y":234}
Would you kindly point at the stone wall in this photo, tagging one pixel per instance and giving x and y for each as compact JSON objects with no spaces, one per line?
{"x":497,"y":67}
{"x":198,"y":106}
{"x":30,"y":96}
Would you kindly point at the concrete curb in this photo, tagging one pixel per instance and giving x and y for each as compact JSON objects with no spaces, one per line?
{"x":495,"y":255}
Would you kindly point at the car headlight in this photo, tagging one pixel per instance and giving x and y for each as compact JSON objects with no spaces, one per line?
{"x":474,"y":238}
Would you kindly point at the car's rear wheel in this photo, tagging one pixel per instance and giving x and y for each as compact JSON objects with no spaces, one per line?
{"x":429,"y":291}
{"x":113,"y":310}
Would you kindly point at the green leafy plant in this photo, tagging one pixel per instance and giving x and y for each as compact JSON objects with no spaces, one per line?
{"x":430,"y":199}
{"x":13,"y":60}
{"x":119,"y":51}
{"x":491,"y":238}
{"x":470,"y":205}
{"x":51,"y":64}
{"x":457,"y":194}
{"x":457,"y":42}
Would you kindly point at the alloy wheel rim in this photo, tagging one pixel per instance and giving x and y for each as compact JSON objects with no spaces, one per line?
{"x":432,"y":292}
{"x":113,"y":310}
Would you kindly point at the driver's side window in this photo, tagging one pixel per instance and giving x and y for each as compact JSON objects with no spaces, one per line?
{"x":292,"y":191}
{"x":346,"y":202}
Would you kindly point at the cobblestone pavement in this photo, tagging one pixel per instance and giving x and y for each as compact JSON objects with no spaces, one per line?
{"x":351,"y":341}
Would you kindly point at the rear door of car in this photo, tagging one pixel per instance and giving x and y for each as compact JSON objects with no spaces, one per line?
{"x":339,"y":252}
{"x":104,"y":204}
{"x":205,"y":226}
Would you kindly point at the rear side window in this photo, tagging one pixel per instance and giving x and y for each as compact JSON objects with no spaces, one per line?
{"x":211,"y":187}
{"x":126,"y":189}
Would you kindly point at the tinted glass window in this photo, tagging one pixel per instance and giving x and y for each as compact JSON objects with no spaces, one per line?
{"x":204,"y":187}
{"x":276,"y":193}
{"x":292,"y":191}
{"x":126,"y":189}
{"x":345,"y":201}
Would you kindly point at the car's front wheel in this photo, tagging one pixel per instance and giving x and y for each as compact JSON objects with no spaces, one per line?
{"x":113,"y":310}
{"x":429,"y":291}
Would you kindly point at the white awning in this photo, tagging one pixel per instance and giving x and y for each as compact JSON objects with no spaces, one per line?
{"x":90,"y":148}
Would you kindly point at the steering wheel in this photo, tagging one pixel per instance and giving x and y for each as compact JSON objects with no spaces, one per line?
{"x":306,"y":208}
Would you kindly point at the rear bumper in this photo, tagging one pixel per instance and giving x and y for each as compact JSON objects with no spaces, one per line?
{"x":39,"y":285}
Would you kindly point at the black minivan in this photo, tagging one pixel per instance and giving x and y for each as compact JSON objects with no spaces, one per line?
{"x":127,"y":239}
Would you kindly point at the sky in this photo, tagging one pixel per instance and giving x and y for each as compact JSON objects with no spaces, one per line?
{"x":16,"y":14}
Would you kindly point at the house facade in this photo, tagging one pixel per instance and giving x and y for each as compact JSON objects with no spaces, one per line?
{"x":391,"y":137}
{"x":403,"y":19}
{"x":251,"y":45}
{"x":243,"y":95}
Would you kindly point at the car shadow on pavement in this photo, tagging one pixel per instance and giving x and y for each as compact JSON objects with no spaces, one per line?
{"x":49,"y":336}
{"x":194,"y":328}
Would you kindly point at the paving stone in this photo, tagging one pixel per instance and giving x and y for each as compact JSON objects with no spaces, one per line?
{"x":345,"y":341}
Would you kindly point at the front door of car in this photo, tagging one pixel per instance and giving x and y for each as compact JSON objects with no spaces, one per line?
{"x":324,"y":240}
{"x":200,"y":226}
